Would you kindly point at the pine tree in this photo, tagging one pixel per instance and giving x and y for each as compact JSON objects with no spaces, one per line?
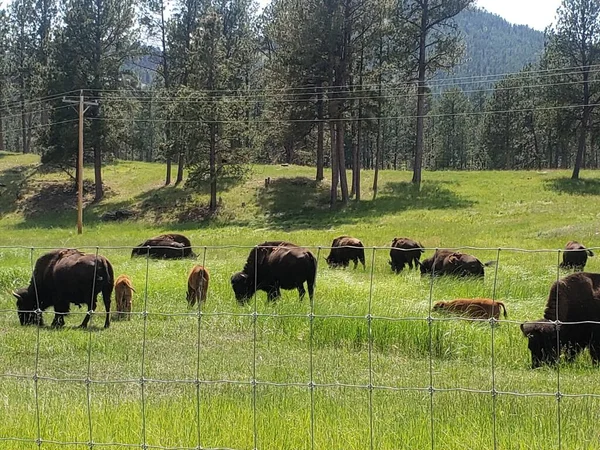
{"x":575,"y":42}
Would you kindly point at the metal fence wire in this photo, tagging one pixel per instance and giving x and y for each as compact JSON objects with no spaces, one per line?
{"x":259,"y":387}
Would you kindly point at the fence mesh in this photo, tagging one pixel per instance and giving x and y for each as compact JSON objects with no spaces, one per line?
{"x":326,"y":323}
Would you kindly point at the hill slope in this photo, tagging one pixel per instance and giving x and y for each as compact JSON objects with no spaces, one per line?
{"x":494,"y":46}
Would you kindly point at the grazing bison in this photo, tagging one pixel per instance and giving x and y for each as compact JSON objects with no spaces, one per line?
{"x":404,"y":251}
{"x":345,"y":249}
{"x":574,"y":298}
{"x":123,"y":296}
{"x":477,"y":308}
{"x":197,"y":285}
{"x":575,"y":256}
{"x":62,"y":277}
{"x":167,"y":246}
{"x":275,"y":265}
{"x":447,"y":262}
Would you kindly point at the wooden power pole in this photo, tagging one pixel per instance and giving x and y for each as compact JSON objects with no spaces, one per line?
{"x":82,"y":108}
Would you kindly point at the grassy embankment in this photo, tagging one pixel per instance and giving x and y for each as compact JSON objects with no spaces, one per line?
{"x":401,"y":357}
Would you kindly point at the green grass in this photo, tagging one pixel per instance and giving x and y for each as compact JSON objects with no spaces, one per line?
{"x":530,"y":210}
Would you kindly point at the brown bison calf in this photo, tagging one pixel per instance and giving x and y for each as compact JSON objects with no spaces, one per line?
{"x":197,"y":285}
{"x":477,"y":308}
{"x":124,"y":295}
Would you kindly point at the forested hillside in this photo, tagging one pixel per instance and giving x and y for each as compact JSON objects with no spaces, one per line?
{"x":494,"y":46}
{"x":340,"y":85}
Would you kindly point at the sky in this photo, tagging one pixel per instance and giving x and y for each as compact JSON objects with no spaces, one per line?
{"x":536,"y":13}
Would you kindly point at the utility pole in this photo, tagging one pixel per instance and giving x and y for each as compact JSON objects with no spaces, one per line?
{"x":83,"y":107}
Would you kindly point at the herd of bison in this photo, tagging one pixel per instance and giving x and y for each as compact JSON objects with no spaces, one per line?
{"x":66,"y":276}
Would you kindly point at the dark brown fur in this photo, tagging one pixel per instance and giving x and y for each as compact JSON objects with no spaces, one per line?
{"x":477,"y":308}
{"x":62,"y":277}
{"x":345,"y":249}
{"x":575,"y":256}
{"x":574,"y":298}
{"x":275,"y":265}
{"x":404,"y":251}
{"x":167,"y":246}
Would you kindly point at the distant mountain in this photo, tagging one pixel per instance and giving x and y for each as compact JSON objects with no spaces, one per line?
{"x":493,"y":46}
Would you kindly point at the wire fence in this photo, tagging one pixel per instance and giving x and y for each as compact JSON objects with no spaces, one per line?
{"x":311,"y":312}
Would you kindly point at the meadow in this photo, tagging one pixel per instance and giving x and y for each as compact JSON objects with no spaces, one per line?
{"x":365,"y":366}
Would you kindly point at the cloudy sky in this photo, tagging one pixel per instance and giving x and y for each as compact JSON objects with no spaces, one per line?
{"x":535,"y":13}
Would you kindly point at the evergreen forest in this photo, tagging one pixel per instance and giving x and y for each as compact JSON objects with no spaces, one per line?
{"x":209,"y":87}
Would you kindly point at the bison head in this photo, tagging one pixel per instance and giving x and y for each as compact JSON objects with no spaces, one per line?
{"x":426,"y":266}
{"x":27,"y":306}
{"x":438,"y":306}
{"x":542,"y":342}
{"x":243,"y":287}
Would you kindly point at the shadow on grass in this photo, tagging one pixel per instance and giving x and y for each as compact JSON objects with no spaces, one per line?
{"x":12,"y":181}
{"x":304,"y":203}
{"x":574,"y":187}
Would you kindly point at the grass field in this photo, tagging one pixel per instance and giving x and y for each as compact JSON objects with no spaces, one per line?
{"x":230,"y":378}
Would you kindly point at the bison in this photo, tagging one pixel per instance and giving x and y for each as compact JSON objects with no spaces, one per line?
{"x":575,"y":256}
{"x":477,"y":308}
{"x":448,"y":262}
{"x":123,"y":296}
{"x":197,"y":285}
{"x":345,"y":249}
{"x":404,"y":251}
{"x":573,"y":302}
{"x":167,"y":246}
{"x":62,"y":277}
{"x":275,"y":265}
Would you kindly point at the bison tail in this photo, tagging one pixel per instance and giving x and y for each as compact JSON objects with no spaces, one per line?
{"x":591,"y":253}
{"x":491,"y":263}
{"x":501,"y":305}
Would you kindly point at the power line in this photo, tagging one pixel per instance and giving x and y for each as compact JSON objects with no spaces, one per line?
{"x":431,"y":83}
{"x":344,"y":119}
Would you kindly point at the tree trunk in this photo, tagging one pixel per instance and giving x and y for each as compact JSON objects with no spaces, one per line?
{"x":585,"y":122}
{"x":2,"y":148}
{"x":99,"y":190}
{"x":320,"y":134}
{"x":213,"y":168}
{"x":180,"y":166}
{"x":377,"y":158}
{"x":339,"y":141}
{"x":358,"y":148}
{"x":335,"y":176}
{"x":25,"y":147}
{"x":354,"y":156}
{"x":421,"y":96}
{"x":168,"y":175}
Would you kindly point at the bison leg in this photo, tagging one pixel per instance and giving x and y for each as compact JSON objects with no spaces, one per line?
{"x":273,"y":294}
{"x":301,"y":291}
{"x":60,"y":311}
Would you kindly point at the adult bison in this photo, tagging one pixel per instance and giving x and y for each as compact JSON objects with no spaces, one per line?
{"x":345,"y":249}
{"x":405,"y":251}
{"x":61,"y":277}
{"x":275,"y":265}
{"x":167,"y":246}
{"x":448,"y":262}
{"x":573,"y":301}
{"x":575,"y":256}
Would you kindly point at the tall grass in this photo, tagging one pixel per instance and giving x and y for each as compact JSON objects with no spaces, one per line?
{"x":369,"y":343}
